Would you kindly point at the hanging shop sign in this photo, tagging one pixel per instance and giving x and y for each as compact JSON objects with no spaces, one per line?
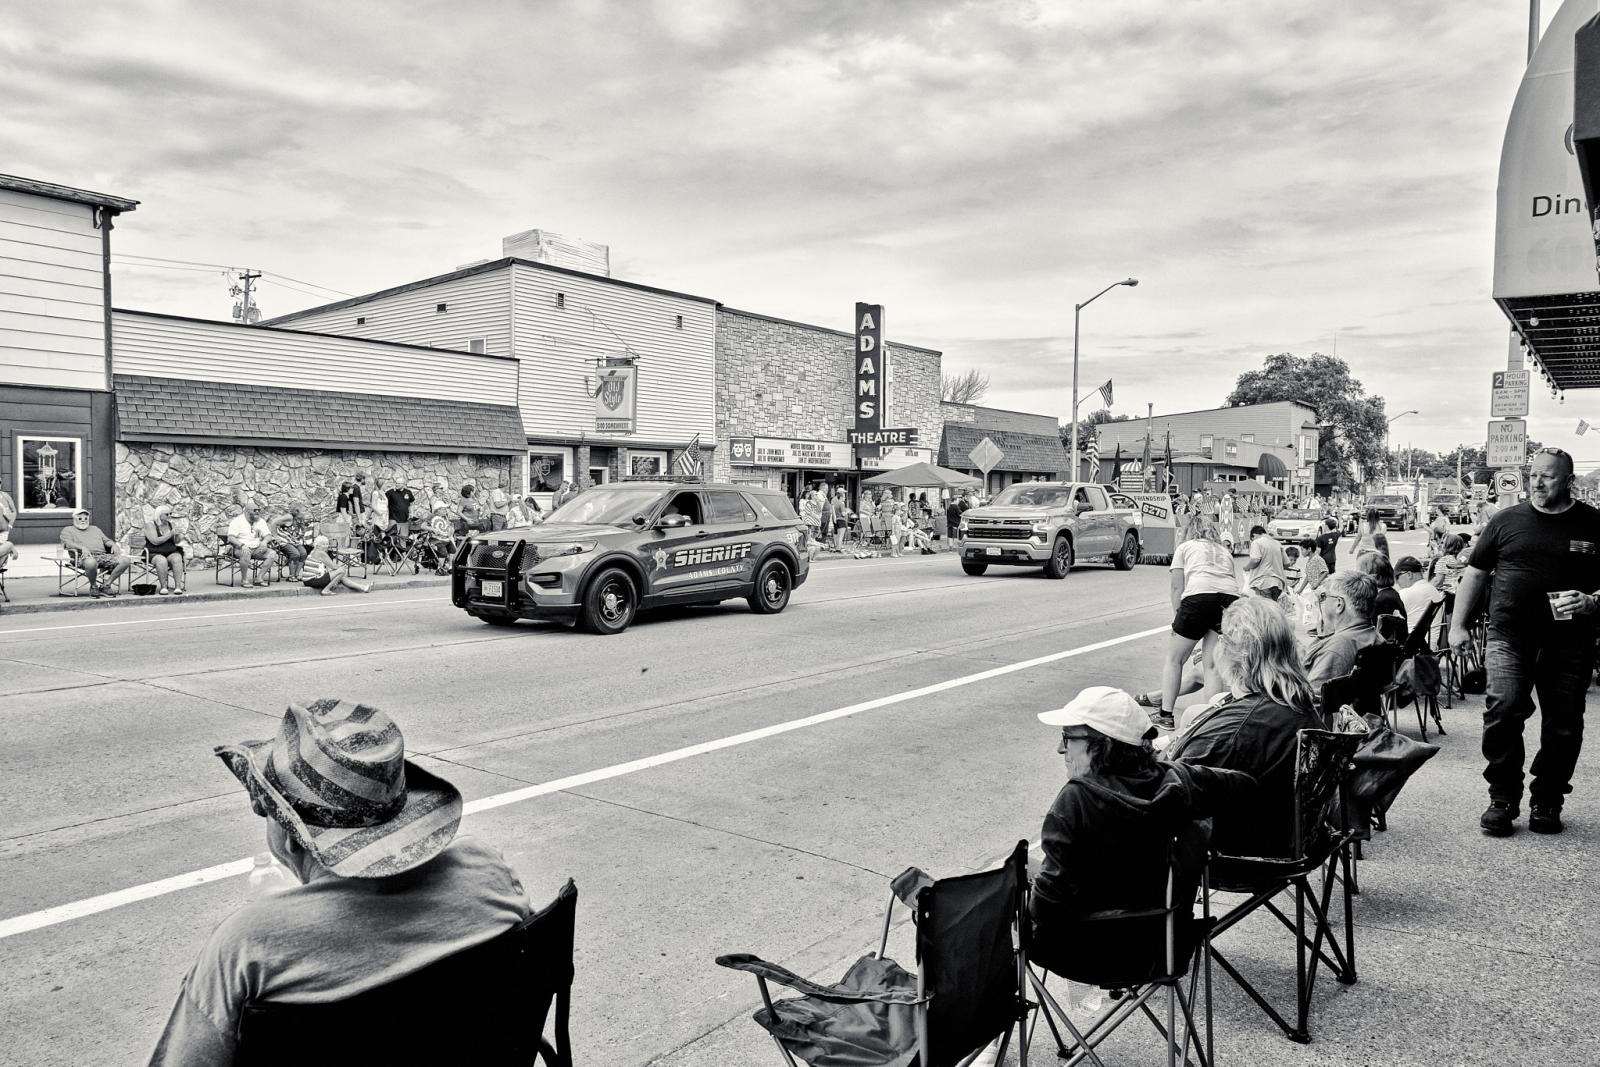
{"x":777,"y":452}
{"x":616,"y":398}
{"x":892,"y":458}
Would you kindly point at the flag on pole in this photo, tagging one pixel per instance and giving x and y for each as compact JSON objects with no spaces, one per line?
{"x":1167,"y":479}
{"x":1091,"y":451}
{"x":688,"y":461}
{"x":1144,"y":467}
{"x":1116,"y":466}
{"x":1583,"y":427}
{"x":1105,"y":392}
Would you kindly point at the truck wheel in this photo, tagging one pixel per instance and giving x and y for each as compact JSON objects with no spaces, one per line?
{"x":1060,"y":561}
{"x":977,"y":570}
{"x":610,"y":603}
{"x":773,"y":586}
{"x":1125,"y":560}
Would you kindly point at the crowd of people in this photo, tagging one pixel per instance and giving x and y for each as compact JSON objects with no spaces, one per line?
{"x":877,"y":522}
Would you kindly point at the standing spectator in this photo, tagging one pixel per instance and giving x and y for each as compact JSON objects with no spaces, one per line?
{"x":952,"y":516}
{"x":400,"y":498}
{"x":1371,"y":537}
{"x":1445,"y":571}
{"x":358,"y":498}
{"x":811,"y":512}
{"x":897,"y":527}
{"x":1313,"y":568}
{"x":829,"y":518}
{"x":1346,"y":603}
{"x":1544,"y":556}
{"x":562,"y":495}
{"x":345,"y":502}
{"x":1439,"y":529}
{"x":842,"y":517}
{"x":471,"y":511}
{"x":164,"y":544}
{"x":1203,"y":585}
{"x":95,"y":552}
{"x":1328,"y":544}
{"x":249,"y":533}
{"x":444,"y":504}
{"x":1489,"y":510}
{"x":374,"y":904}
{"x":499,"y":505}
{"x":1265,"y":569}
{"x":377,"y":505}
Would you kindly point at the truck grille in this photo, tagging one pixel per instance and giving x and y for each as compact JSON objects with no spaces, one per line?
{"x":997,"y":531}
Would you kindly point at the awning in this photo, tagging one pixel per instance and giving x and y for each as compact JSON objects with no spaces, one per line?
{"x":1250,"y":488}
{"x":923,"y":476}
{"x":1270,"y":466}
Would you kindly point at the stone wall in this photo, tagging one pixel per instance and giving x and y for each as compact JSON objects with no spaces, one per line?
{"x":788,"y":380}
{"x":202,"y":482}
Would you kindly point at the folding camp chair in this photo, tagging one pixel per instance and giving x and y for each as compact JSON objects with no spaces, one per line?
{"x":1323,"y":763}
{"x":1391,"y":628}
{"x":485,"y":1005}
{"x":1417,"y":682}
{"x":70,"y":577}
{"x":141,"y":571}
{"x":342,"y":545}
{"x":970,"y":987}
{"x":225,"y":562}
{"x":1183,"y":942}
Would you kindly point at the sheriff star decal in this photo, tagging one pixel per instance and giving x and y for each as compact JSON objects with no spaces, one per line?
{"x":659,"y":556}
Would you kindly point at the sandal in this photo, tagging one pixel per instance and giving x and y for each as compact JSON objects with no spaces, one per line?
{"x":162,"y":592}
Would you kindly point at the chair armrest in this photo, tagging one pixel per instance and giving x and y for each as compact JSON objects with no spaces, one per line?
{"x":743,"y":961}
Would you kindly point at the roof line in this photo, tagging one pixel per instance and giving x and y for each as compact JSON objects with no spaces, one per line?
{"x":1226,"y":407}
{"x":1006,"y":411}
{"x":66,"y":192}
{"x":307,"y":333}
{"x":825,"y":329}
{"x":502,"y":263}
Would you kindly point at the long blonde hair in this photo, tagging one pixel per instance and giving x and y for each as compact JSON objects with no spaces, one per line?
{"x":1257,"y":653}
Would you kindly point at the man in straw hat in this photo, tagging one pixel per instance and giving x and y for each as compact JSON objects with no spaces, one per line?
{"x":385,"y":887}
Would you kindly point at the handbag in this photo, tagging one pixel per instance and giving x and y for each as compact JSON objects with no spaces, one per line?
{"x":1416,"y":677}
{"x":1384,"y":762}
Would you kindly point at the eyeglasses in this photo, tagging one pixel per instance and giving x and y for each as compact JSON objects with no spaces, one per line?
{"x":1549,"y":450}
{"x":1324,"y":596}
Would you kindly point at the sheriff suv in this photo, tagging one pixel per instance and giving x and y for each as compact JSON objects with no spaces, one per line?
{"x":616,"y":550}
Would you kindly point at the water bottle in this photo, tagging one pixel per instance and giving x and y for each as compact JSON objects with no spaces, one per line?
{"x":268,"y":876}
{"x":1085,"y":1000}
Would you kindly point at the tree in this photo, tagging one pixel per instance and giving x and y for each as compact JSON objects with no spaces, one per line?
{"x":1353,"y":423}
{"x":1086,"y":429}
{"x":967,"y":387}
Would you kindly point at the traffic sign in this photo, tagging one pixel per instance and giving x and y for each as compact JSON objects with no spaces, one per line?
{"x":985,"y":454}
{"x":1480,"y":494}
{"x":1509,"y":394}
{"x":1508,"y":482}
{"x":1507,"y":443}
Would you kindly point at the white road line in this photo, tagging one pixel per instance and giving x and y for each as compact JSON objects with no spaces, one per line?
{"x":61,"y":913}
{"x":219,"y":615}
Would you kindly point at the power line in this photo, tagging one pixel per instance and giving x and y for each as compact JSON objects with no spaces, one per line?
{"x":314,"y":285}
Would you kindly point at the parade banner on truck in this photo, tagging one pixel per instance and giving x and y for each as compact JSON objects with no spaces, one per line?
{"x":1159,"y":529}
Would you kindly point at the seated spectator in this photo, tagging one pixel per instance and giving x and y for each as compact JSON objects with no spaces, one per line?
{"x":321,"y":571}
{"x":164,"y":544}
{"x":1252,"y":727}
{"x":370,"y":908}
{"x":93,"y":553}
{"x":1106,"y":836}
{"x":1376,"y":566}
{"x":1346,"y":603}
{"x":526,"y":513}
{"x":286,"y":540}
{"x":249,"y":535}
{"x":1445,"y":571}
{"x":1416,"y":592}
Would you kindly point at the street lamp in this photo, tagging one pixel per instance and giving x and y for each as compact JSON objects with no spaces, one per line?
{"x":1386,"y":426}
{"x":1076,"y":310}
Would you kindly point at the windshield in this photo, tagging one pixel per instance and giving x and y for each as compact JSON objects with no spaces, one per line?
{"x":1023,"y":495}
{"x":1380,"y":500}
{"x":1299,"y":513}
{"x":608,"y":507}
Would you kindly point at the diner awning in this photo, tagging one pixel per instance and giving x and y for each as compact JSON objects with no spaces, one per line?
{"x":1246,"y":488}
{"x":1269,"y":466}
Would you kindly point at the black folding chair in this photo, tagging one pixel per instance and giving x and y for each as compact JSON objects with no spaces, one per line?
{"x":1391,"y":628}
{"x":1421,"y":682}
{"x":1183,"y":943}
{"x":1323,"y":763}
{"x":485,"y":1005}
{"x":970,"y":987}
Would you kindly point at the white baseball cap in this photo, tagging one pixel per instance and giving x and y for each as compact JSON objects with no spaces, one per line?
{"x":1110,"y":711}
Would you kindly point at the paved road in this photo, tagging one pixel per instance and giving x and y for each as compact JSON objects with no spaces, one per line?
{"x":778,"y":845}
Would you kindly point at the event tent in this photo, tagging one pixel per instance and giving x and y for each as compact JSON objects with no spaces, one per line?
{"x":923,"y":475}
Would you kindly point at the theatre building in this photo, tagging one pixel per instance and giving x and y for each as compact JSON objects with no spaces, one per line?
{"x":614,"y":378}
{"x":786,"y":404}
{"x":57,"y":424}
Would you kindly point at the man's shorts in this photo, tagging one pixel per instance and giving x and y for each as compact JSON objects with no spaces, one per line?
{"x":1201,"y":614}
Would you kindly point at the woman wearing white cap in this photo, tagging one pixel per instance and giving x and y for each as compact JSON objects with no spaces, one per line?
{"x":1106,"y":839}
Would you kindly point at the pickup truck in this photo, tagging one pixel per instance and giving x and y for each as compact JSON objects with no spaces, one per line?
{"x":1396,"y":510}
{"x":1052,"y":525}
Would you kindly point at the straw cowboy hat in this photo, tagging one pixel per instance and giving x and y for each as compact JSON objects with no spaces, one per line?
{"x":336,"y":778}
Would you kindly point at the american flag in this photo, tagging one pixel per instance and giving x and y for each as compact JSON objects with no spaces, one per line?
{"x":688,"y":461}
{"x":1091,"y":450}
{"x":1105,"y":393}
{"x":1583,"y":427}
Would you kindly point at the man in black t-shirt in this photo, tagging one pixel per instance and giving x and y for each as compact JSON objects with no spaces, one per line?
{"x":1328,"y":544}
{"x":400,"y":500}
{"x":1544,"y":556}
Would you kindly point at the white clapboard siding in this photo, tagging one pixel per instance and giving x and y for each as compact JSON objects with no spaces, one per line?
{"x":52,"y":298}
{"x":166,"y":347}
{"x":599,"y":318}
{"x":477,"y":306}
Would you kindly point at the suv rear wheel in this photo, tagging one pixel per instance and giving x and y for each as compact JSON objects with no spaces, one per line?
{"x":773,"y":586}
{"x":1125,"y":560}
{"x":611,"y":602}
{"x":1060,"y":561}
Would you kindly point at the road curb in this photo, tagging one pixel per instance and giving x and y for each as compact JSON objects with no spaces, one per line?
{"x":124,"y":600}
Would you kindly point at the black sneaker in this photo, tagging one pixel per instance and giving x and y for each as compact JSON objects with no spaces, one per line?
{"x":1163,"y":721}
{"x":1544,"y":819}
{"x":1498,"y":818}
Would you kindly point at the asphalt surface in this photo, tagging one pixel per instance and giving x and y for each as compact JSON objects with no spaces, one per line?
{"x":714,"y":781}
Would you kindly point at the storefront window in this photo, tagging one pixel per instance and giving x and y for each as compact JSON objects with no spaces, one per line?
{"x":547,"y":470}
{"x":50,"y":475}
{"x":647,"y":464}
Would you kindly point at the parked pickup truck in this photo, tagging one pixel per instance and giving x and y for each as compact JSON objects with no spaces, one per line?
{"x":1396,"y":510}
{"x":1052,"y":525}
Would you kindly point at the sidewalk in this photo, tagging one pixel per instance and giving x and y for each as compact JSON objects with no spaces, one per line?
{"x":30,"y":595}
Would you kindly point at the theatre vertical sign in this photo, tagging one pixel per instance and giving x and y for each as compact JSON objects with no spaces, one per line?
{"x":871,"y":382}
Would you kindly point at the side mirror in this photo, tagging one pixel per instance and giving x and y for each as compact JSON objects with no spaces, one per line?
{"x":1083,"y":506}
{"x":672,"y":522}
{"x":640,"y":521}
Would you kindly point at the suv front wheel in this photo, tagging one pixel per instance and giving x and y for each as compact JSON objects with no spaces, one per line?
{"x":773,"y":586}
{"x":611,"y":602}
{"x":1060,"y":561}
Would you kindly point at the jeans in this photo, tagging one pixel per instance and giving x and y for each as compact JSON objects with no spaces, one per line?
{"x":1560,"y":677}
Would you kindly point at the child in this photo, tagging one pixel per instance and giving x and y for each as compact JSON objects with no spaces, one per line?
{"x":321,"y":571}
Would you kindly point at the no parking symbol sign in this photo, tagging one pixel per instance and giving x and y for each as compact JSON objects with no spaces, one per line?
{"x":1507,"y":483}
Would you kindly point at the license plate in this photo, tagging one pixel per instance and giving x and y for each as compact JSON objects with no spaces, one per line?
{"x":992,"y":551}
{"x":492,"y":589}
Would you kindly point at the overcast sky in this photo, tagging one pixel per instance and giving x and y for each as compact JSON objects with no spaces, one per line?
{"x":1280,"y":176}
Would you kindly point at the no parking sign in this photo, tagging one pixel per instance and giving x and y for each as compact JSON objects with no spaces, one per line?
{"x":1507,"y":483}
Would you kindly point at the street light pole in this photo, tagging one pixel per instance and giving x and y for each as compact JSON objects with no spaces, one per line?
{"x":1077,"y":310}
{"x":1386,"y":426}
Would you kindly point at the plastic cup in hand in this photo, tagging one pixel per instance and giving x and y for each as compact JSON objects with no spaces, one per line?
{"x":1555,"y":611}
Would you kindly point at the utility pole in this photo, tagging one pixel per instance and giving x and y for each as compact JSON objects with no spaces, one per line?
{"x":245,"y":309}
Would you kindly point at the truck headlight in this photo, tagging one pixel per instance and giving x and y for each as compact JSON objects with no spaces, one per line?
{"x":565,"y":548}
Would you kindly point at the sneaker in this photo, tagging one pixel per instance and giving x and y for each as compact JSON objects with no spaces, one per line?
{"x":1144,"y":701}
{"x":163,"y":592}
{"x":1498,"y":818}
{"x":1544,"y":819}
{"x":1164,"y":721}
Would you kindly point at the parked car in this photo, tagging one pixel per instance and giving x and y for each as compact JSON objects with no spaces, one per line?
{"x":1050,"y":525}
{"x":616,"y":550}
{"x":1295,"y":524}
